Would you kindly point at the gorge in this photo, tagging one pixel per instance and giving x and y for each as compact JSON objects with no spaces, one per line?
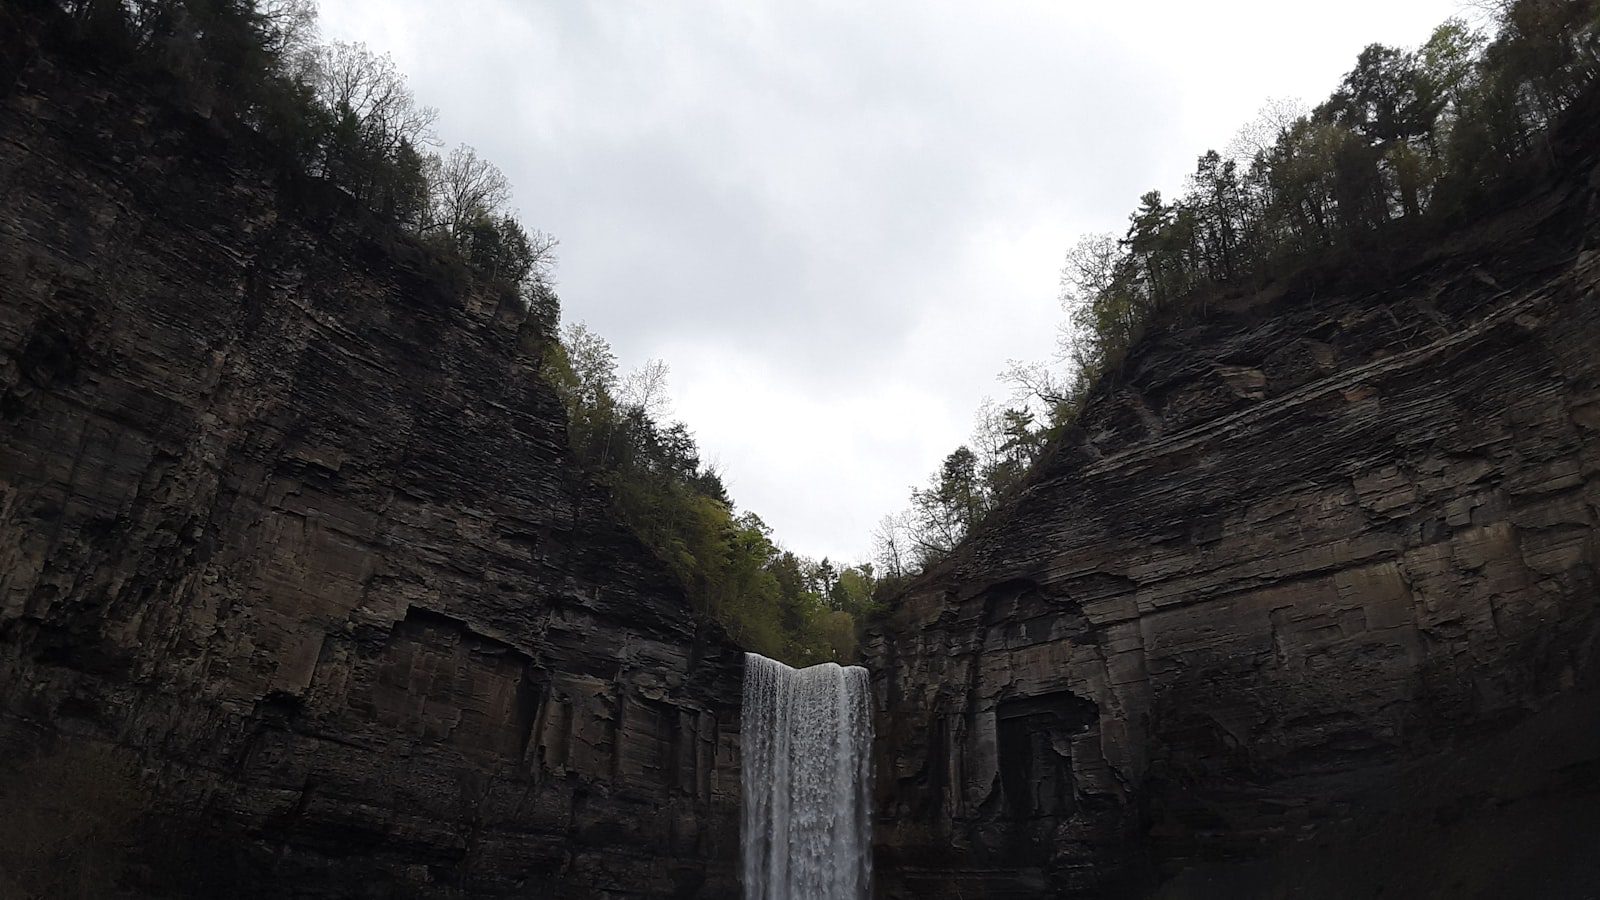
{"x":303,"y":592}
{"x":1304,"y":605}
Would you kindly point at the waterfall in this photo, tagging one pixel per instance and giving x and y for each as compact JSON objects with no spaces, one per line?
{"x":806,"y":739}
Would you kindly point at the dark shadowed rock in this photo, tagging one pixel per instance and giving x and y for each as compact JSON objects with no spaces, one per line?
{"x":286,"y":512}
{"x":1305,"y":606}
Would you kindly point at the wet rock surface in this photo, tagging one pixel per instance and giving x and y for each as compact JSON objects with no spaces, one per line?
{"x":1305,"y":607}
{"x":286,"y":513}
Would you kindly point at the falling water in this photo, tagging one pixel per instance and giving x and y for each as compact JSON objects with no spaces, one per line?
{"x":807,"y":738}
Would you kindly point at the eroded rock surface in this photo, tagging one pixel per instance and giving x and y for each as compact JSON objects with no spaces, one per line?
{"x":288,"y":514}
{"x":1306,"y":608}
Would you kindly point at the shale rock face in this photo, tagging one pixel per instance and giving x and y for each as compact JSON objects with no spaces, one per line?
{"x":287,"y":515}
{"x":1307,"y":607}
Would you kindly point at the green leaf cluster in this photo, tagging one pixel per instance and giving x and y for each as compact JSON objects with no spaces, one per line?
{"x":1410,"y":139}
{"x":333,"y":113}
{"x":770,"y":600}
{"x":1409,"y":142}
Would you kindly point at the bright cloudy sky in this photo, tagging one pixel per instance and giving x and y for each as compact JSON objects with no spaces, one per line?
{"x":836,"y":221}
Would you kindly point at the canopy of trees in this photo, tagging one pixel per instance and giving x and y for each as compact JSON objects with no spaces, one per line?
{"x":773,"y":602}
{"x":336,"y":112}
{"x":343,"y":114}
{"x":1409,"y":139}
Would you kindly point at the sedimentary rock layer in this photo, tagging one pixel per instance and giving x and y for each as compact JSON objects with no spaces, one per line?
{"x":287,"y":514}
{"x":1308,"y":601}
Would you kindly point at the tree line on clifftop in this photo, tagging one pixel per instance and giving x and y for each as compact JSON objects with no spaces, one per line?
{"x":343,"y":114}
{"x":772,"y":601}
{"x":1409,"y":139}
{"x":337,"y":112}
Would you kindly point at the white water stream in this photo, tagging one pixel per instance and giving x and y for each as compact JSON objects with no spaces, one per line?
{"x":806,"y":741}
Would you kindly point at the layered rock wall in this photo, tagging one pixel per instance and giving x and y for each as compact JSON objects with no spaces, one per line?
{"x":287,"y":515}
{"x":1306,"y":607}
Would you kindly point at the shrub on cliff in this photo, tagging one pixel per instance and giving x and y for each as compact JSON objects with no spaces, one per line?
{"x":1407,"y":142}
{"x":771,"y":601}
{"x":343,"y":114}
{"x":336,"y":112}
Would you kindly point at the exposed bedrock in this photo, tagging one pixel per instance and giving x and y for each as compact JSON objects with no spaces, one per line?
{"x":1306,"y":607}
{"x":288,"y":516}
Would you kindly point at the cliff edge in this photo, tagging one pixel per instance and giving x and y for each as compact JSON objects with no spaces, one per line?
{"x":288,"y":521}
{"x":1305,"y":605}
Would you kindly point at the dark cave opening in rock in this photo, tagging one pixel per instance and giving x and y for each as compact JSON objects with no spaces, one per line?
{"x":1034,"y":743}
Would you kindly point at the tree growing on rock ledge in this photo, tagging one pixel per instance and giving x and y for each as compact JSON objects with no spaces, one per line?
{"x":1407,"y":140}
{"x":770,"y":600}
{"x":336,"y":112}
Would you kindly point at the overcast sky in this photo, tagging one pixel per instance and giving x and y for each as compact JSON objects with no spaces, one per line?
{"x":836,"y":221}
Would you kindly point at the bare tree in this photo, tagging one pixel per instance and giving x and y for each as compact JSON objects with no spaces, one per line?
{"x":891,"y":546}
{"x":353,"y":81}
{"x":1090,"y":270}
{"x":289,"y":27}
{"x":594,"y":366}
{"x":1035,"y":385}
{"x":645,"y":388}
{"x":543,"y":246}
{"x":988,"y":433}
{"x":464,"y":186}
{"x":1090,"y":266}
{"x":1260,"y":134}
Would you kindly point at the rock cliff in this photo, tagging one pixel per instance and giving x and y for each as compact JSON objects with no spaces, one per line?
{"x":287,"y":516}
{"x":1305,"y":606}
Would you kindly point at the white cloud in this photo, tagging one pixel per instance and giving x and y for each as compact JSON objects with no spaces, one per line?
{"x":837,"y":221}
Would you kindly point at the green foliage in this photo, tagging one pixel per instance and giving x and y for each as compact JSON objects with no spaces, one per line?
{"x":970,"y":483}
{"x":1407,"y":141}
{"x":343,"y":114}
{"x":1409,"y":136}
{"x":948,"y":507}
{"x":770,"y":601}
{"x":336,"y":112}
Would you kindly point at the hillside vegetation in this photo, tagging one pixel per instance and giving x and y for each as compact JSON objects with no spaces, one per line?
{"x":342,"y":114}
{"x":1408,"y":142}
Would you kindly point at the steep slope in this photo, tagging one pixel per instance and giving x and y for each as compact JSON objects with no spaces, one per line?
{"x":1306,"y":607}
{"x":287,"y":516}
